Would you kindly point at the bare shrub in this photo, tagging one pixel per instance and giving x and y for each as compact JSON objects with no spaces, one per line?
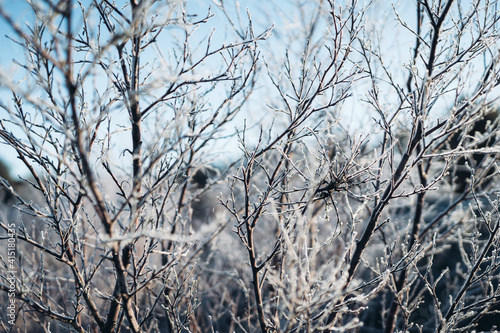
{"x":297,"y":169}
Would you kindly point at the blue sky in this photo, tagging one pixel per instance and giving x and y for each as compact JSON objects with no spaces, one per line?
{"x":11,"y":52}
{"x":262,"y":14}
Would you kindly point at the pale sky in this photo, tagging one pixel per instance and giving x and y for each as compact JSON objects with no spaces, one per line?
{"x":263,"y":15}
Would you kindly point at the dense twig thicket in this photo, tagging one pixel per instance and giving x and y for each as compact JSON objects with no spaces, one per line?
{"x":305,"y":167}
